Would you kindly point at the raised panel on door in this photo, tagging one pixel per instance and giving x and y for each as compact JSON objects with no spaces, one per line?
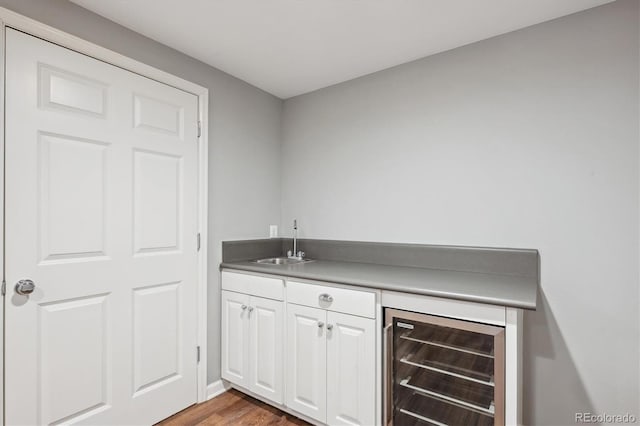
{"x":156,"y":115}
{"x":65,"y":90}
{"x":351,"y":360}
{"x":235,"y":338}
{"x":73,"y":200}
{"x":80,"y":325}
{"x":157,"y":206}
{"x":266,"y":348}
{"x":156,"y":356}
{"x":306,"y":347}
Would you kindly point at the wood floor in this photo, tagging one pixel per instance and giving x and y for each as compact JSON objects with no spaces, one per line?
{"x":232,"y":408}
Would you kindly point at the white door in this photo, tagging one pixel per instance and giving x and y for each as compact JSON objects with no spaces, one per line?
{"x":307,"y":361}
{"x":351,"y":372}
{"x":101,"y":187}
{"x":266,"y":348}
{"x":235,"y":338}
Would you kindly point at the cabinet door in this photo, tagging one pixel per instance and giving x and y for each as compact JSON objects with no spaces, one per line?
{"x":235,"y":338}
{"x":351,"y":372}
{"x":266,"y":342}
{"x":306,"y":361}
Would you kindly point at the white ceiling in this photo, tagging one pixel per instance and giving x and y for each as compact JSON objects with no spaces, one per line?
{"x":290,"y":47}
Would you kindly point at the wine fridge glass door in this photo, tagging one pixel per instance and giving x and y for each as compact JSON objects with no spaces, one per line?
{"x":441,"y":371}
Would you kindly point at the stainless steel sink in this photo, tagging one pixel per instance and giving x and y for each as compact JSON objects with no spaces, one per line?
{"x":280,"y":261}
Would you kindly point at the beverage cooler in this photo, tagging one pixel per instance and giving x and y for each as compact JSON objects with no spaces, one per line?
{"x":441,"y":371}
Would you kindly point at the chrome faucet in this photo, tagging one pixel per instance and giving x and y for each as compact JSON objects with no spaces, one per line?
{"x":295,"y":236}
{"x":295,"y":254}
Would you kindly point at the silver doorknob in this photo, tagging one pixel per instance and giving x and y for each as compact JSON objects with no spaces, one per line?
{"x":329,"y":327}
{"x":320,"y":324}
{"x":25,"y":287}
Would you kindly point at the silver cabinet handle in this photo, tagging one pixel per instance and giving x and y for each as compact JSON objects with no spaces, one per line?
{"x":386,"y":380}
{"x":324,"y":297}
{"x":250,"y":309}
{"x":329,"y":327}
{"x":320,"y":324}
{"x":243,"y":307}
{"x":25,"y":287}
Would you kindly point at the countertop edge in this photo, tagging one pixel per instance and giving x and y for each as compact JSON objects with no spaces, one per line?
{"x":379,"y":286}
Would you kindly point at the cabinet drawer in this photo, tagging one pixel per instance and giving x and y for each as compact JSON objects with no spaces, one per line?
{"x":271,"y":288}
{"x":355,"y":302}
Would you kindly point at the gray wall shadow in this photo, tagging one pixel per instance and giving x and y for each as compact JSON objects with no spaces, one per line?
{"x":546,"y":359}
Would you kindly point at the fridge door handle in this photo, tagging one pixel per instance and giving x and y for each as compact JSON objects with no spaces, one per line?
{"x":386,"y":393}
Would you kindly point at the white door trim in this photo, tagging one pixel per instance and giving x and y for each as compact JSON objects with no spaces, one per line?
{"x":19,"y":22}
{"x":4,"y":285}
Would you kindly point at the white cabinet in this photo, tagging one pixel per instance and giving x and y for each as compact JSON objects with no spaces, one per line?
{"x":253,"y":341}
{"x":266,"y":331}
{"x":235,"y":338}
{"x":326,"y":338}
{"x":351,"y":377}
{"x":331,"y":374}
{"x":307,"y":361}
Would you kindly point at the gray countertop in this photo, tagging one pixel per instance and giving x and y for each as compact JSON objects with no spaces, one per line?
{"x":504,"y":290}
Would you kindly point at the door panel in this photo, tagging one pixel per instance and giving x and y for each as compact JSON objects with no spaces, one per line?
{"x":267,"y":344}
{"x":235,"y":338}
{"x":101,"y":213}
{"x":351,"y":370}
{"x":156,"y":355}
{"x":72,"y":200}
{"x":65,"y":90}
{"x":80,"y":326}
{"x":158,"y":116}
{"x":307,"y":361}
{"x":157,"y":224}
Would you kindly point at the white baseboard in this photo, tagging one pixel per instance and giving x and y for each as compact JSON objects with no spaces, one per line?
{"x":216,"y":388}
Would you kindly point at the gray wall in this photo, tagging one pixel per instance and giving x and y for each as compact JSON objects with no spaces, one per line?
{"x":525,"y":140}
{"x":244,"y":137}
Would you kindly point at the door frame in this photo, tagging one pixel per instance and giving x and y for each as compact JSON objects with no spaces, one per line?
{"x":35,"y":28}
